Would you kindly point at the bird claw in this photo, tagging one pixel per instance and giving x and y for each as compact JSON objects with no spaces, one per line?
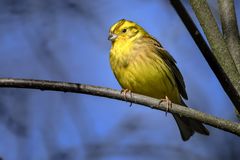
{"x":169,"y":103}
{"x":124,"y":93}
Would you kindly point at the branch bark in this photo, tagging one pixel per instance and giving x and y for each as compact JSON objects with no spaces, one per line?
{"x":219,"y":61}
{"x":230,"y":29}
{"x":153,"y":103}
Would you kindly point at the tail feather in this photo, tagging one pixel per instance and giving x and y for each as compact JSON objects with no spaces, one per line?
{"x":198,"y":127}
{"x":184,"y":127}
{"x":188,"y":126}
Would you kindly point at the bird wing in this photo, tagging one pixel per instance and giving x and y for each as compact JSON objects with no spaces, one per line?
{"x":171,"y":63}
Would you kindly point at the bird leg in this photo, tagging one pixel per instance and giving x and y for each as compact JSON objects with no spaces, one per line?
{"x":169,"y":103}
{"x":124,"y":93}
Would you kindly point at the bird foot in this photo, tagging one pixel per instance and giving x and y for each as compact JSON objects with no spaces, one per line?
{"x":124,"y":93}
{"x":169,"y":103}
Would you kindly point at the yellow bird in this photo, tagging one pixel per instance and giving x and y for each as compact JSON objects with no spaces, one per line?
{"x":143,"y":66}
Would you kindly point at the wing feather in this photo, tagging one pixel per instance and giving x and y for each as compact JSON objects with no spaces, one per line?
{"x":171,"y":63}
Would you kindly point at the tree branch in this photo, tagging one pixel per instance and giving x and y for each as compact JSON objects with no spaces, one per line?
{"x":230,"y":29}
{"x":153,"y":103}
{"x":230,"y":84}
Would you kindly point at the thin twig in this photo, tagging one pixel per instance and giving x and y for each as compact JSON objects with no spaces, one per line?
{"x":232,"y":89}
{"x":153,"y":103}
{"x":230,"y":29}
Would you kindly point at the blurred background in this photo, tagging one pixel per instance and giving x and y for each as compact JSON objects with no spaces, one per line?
{"x":66,"y":40}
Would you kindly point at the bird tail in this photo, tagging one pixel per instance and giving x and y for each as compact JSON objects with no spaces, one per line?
{"x":188,"y":126}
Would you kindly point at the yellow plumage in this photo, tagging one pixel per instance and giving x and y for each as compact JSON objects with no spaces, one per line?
{"x":141,"y":64}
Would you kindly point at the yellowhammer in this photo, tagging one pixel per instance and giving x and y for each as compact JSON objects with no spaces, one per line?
{"x":142,"y":65}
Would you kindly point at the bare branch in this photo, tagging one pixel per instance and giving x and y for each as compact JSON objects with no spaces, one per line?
{"x":230,"y":29}
{"x":153,"y":103}
{"x":215,"y":39}
{"x":225,"y":71}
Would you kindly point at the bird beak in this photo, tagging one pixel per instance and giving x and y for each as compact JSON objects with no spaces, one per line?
{"x":112,"y":37}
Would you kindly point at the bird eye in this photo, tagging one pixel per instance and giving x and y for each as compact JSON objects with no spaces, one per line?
{"x":124,"y":30}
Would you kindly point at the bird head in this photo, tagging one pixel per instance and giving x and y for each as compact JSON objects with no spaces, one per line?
{"x":125,"y":30}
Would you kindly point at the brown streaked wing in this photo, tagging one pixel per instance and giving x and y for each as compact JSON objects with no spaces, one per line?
{"x":171,"y":63}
